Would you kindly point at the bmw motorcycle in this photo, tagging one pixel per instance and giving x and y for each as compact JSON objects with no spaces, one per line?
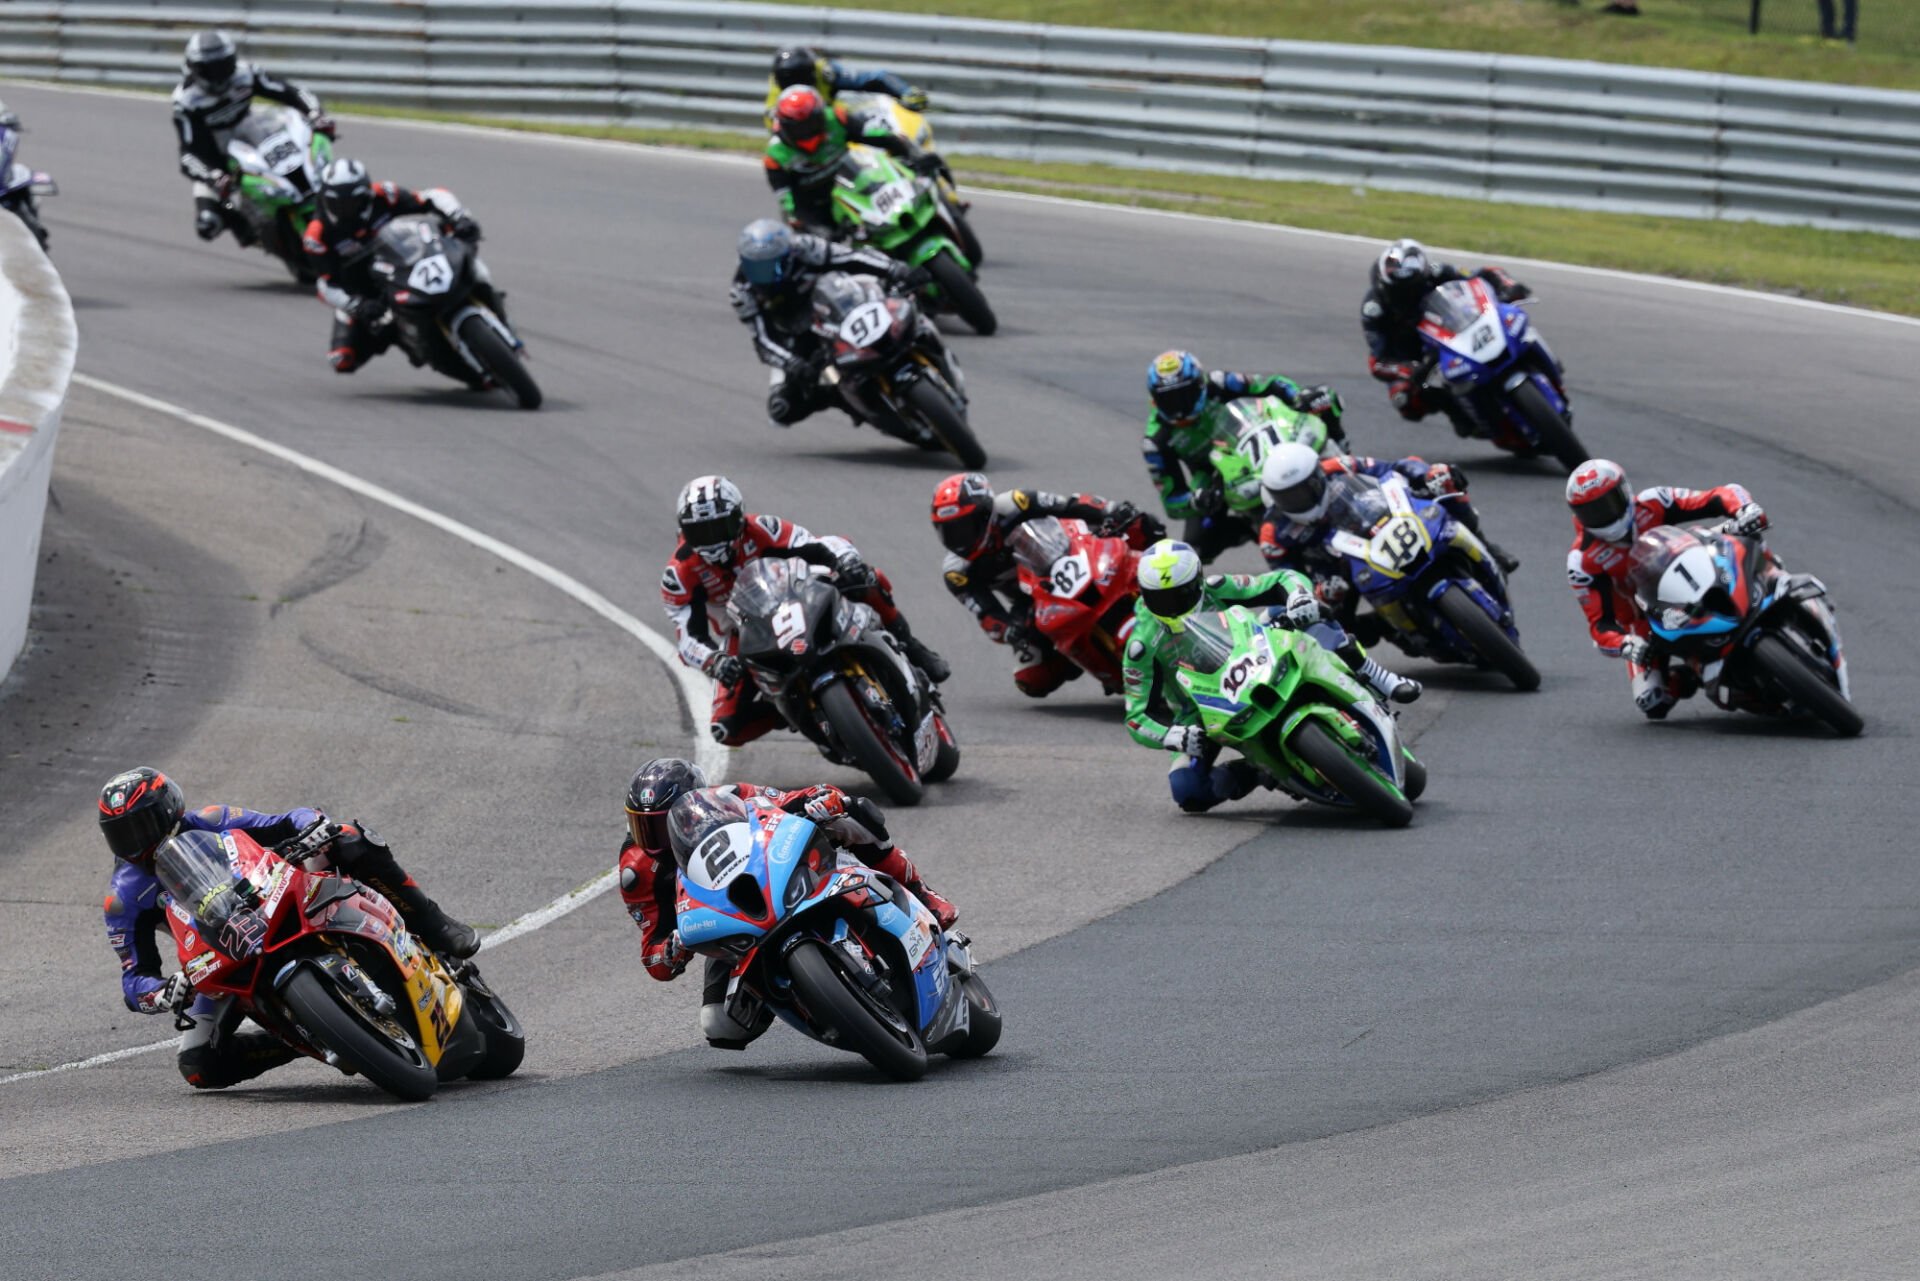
{"x":445,"y":311}
{"x":1500,"y":370}
{"x":836,"y":675}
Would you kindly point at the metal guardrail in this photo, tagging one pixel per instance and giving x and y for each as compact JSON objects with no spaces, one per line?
{"x":1532,"y":130}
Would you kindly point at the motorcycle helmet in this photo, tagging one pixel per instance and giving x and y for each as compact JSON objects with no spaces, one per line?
{"x":1601,"y":499}
{"x":1403,"y":270}
{"x":712,"y":518}
{"x":963,"y":513}
{"x":655,"y":787}
{"x":346,"y":197}
{"x":138,"y":810}
{"x":796,"y":65}
{"x":1170,"y":580}
{"x":1292,"y":480}
{"x":1178,"y":387}
{"x":211,"y":60}
{"x":800,"y":118}
{"x":765,"y":246}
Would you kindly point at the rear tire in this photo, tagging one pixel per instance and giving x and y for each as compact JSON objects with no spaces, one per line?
{"x":1805,"y":688}
{"x":948,"y":423}
{"x":962,"y":294}
{"x":500,"y":360}
{"x":1555,"y":433}
{"x":983,"y":1020}
{"x":322,"y":1010}
{"x":1333,"y":762}
{"x":830,"y":1000}
{"x":862,"y":742}
{"x":1486,"y":638}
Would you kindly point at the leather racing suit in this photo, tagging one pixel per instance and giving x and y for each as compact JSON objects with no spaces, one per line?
{"x":803,"y":181}
{"x":1397,"y":356}
{"x":203,"y":122}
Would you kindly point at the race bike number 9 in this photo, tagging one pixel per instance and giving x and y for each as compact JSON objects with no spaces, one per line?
{"x":1070,"y":574}
{"x":789,"y":624}
{"x":864,"y":327}
{"x":1396,"y":544}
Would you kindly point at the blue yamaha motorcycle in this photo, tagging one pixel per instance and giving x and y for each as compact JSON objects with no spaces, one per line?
{"x":822,"y":941}
{"x":1431,"y":581}
{"x":1500,"y":371}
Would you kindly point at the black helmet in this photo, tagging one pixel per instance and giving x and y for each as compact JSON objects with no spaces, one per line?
{"x":138,"y":810}
{"x":212,"y":58}
{"x":796,"y":65}
{"x":656,"y":786}
{"x":1404,"y":270}
{"x":346,"y":196}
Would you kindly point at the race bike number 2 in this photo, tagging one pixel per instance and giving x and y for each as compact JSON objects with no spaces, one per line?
{"x":431,"y":275}
{"x":864,"y":327}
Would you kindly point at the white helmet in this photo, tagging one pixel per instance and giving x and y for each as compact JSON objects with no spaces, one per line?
{"x":1291,"y":479}
{"x":1170,"y":580}
{"x":712,"y":517}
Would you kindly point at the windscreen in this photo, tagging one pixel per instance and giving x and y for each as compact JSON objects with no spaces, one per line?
{"x":193,"y":869}
{"x":698,"y":815}
{"x":837,"y":294}
{"x":260,"y":124}
{"x":1652,"y":555}
{"x":1454,"y":306}
{"x":1357,"y":504}
{"x":1205,"y":642}
{"x":762,"y":585}
{"x":1039,"y":543}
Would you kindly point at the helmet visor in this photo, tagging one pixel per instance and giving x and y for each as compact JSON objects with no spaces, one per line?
{"x":1182,"y":402}
{"x":1603,"y":510}
{"x":133,"y":835}
{"x":764,"y":271}
{"x":805,"y":131}
{"x":962,"y":533}
{"x":215,"y":73}
{"x":1303,"y":496}
{"x":1172,"y":602}
{"x":649,"y":831}
{"x":713,"y":531}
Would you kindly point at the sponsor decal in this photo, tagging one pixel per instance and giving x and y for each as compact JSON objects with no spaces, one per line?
{"x":956,"y":578}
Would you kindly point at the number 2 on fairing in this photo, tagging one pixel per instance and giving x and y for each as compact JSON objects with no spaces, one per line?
{"x":864,"y":327}
{"x":789,"y":624}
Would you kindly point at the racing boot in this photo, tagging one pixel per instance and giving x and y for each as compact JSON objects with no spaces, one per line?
{"x":901,"y":868}
{"x":207,"y":222}
{"x":1507,"y":561}
{"x":1387,"y":683}
{"x":1237,"y":779}
{"x":936,"y":667}
{"x":365,"y":857}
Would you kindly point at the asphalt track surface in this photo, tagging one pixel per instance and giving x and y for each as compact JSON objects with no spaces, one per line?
{"x":1580,"y":891}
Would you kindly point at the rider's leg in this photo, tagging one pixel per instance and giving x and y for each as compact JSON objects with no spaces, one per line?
{"x":740,"y":715}
{"x":1380,"y":679}
{"x":720,"y":1028}
{"x":213,"y":1055}
{"x":361,"y":854}
{"x":1198,"y":784}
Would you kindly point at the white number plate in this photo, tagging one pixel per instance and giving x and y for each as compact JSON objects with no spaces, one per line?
{"x":433,"y":275}
{"x":1397,"y":544}
{"x":1070,"y":574}
{"x":891,"y":199}
{"x":867,"y":323}
{"x":1249,"y":671}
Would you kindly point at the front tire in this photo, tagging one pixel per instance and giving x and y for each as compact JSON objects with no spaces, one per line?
{"x":864,"y":743}
{"x":506,"y":1040}
{"x":1488,"y":641}
{"x":829,"y":998}
{"x":983,"y":1020}
{"x":947,"y":422}
{"x":324,"y":1011}
{"x":1805,"y":688}
{"x":963,"y":233}
{"x":946,"y":758}
{"x":500,"y":360}
{"x":962,"y":294}
{"x":1554,"y":432}
{"x":1347,"y":776}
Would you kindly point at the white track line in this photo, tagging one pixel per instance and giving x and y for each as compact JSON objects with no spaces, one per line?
{"x":695,"y":689}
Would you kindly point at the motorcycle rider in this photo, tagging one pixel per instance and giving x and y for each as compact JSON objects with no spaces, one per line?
{"x":650,"y":890}
{"x":351,"y":208}
{"x":810,"y":138}
{"x":24,"y":205}
{"x":773,"y":292}
{"x":718,"y":538}
{"x":974,"y":524}
{"x":1173,"y":586}
{"x":214,"y":94}
{"x":1398,"y":283}
{"x":1189,"y":404}
{"x":800,"y":65}
{"x":141,"y":808}
{"x":1607,"y":516}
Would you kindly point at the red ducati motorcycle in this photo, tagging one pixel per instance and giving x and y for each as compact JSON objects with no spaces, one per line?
{"x":1083,"y":589}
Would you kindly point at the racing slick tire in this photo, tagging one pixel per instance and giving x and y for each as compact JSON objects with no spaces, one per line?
{"x":1805,"y":688}
{"x":877,"y":1033}
{"x":1488,"y":641}
{"x":937,"y":410}
{"x":500,"y":360}
{"x":1347,"y":776}
{"x":334,"y":1022}
{"x":1555,"y":433}
{"x":962,"y":294}
{"x":863,"y":741}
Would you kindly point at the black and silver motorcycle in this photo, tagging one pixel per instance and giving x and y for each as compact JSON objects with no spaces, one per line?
{"x":891,"y":367}
{"x":446,"y":312}
{"x":839,"y":677}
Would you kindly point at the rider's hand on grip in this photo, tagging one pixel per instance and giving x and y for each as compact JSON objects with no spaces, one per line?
{"x":1634,"y":650}
{"x":725,"y":669}
{"x":1188,"y":740}
{"x":1209,"y":499}
{"x":1749,"y":521}
{"x":315,"y":838}
{"x":1118,"y":518}
{"x":914,"y":100}
{"x":852,"y":572}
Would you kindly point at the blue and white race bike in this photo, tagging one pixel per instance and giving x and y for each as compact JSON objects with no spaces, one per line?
{"x":1490,"y":359}
{"x":822,"y":941}
{"x":1430,"y":580}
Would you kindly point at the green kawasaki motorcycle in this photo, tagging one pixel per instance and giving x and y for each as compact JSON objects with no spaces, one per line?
{"x":884,"y":205}
{"x":1250,"y":430}
{"x":1292,"y":708}
{"x":276,"y":160}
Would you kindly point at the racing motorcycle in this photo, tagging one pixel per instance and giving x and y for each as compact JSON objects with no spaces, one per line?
{"x":891,"y":367}
{"x":836,"y":675}
{"x":276,"y":160}
{"x":328,"y":966}
{"x":19,"y":184}
{"x":1083,"y":588}
{"x":1251,"y":429}
{"x":445,"y":311}
{"x":1498,"y":368}
{"x":878,"y":202}
{"x":1759,"y":639}
{"x":917,"y":129}
{"x":839,"y":951}
{"x":1290,"y":706}
{"x":1430,"y":580}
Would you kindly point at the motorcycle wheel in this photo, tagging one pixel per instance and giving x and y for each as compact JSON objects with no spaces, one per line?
{"x":868,"y":748}
{"x":1487,"y":639}
{"x":500,"y":360}
{"x":291,"y":249}
{"x":506,"y":1041}
{"x":1416,"y":779}
{"x":983,"y":1020}
{"x":335,"y":1024}
{"x":881,"y":1037}
{"x":1555,"y":433}
{"x":931,"y":403}
{"x":1805,"y":688}
{"x":1333,"y":762}
{"x":946,"y":758}
{"x":963,"y":234}
{"x":960,"y":293}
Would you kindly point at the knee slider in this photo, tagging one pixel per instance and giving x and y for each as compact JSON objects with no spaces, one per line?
{"x":1192,"y":787}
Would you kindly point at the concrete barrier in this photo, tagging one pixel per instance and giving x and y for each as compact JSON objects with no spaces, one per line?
{"x":37,"y":343}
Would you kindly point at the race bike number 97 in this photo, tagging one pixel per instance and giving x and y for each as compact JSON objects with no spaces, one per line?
{"x":864,"y":327}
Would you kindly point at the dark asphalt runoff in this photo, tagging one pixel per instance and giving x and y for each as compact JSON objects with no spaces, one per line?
{"x":1580,"y":890}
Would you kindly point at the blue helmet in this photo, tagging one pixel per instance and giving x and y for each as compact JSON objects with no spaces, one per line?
{"x":765,"y":246}
{"x":1178,"y":386}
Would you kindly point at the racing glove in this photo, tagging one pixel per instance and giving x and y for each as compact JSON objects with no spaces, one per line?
{"x":1209,"y":499}
{"x":1302,"y":609}
{"x":1321,"y":401}
{"x":1442,"y":479}
{"x":823,"y":805}
{"x":925,"y":163}
{"x":1504,"y":285}
{"x":315,"y":839}
{"x":174,"y":995}
{"x":724,"y":668}
{"x":1188,"y":740}
{"x":323,"y":123}
{"x":1119,"y":516}
{"x":914,"y":99}
{"x":852,"y":572}
{"x":1749,"y":521}
{"x":1634,"y":650}
{"x":1331,"y":593}
{"x":908,"y":279}
{"x":465,"y":228}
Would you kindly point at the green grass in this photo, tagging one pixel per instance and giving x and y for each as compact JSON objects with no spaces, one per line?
{"x":1856,"y":268}
{"x":1706,"y":35}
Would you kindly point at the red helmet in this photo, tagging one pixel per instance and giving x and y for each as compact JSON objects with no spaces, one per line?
{"x":800,"y":118}
{"x":963,"y":513}
{"x":1601,"y":499}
